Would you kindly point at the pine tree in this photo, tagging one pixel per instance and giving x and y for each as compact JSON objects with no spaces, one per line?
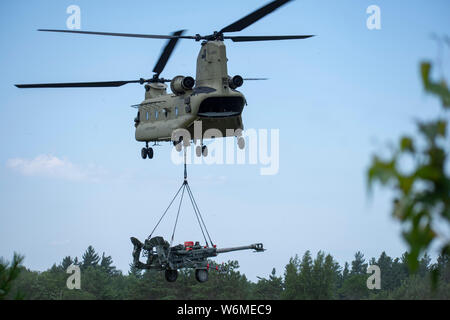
{"x":305,"y":277}
{"x":354,"y":286}
{"x":9,"y":274}
{"x":90,"y":258}
{"x":346,"y":271}
{"x":66,"y":263}
{"x":276,"y":284}
{"x":106,"y":265}
{"x":443,"y":267}
{"x":331,"y":275}
{"x":424,"y":265}
{"x":291,"y":279}
{"x":134,"y":271}
{"x":315,"y":291}
{"x":358,"y":265}
{"x":387,"y":277}
{"x":269,"y":289}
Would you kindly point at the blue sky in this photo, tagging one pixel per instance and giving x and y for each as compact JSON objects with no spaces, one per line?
{"x":336,"y":99}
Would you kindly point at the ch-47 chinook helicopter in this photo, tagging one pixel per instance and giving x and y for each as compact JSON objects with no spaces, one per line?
{"x":211,"y":98}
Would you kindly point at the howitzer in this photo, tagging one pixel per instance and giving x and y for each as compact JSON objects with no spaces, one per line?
{"x":161,"y":256}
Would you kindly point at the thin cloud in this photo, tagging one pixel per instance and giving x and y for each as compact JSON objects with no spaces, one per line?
{"x":50,"y":166}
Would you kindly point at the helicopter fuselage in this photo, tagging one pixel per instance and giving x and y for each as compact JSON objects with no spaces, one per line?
{"x":212,"y":101}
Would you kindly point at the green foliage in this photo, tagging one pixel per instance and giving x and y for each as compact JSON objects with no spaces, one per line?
{"x":358,"y":265}
{"x":8,"y":274}
{"x":90,"y":258}
{"x":291,"y":278}
{"x":134,"y":271}
{"x":106,"y":265}
{"x":304,"y":279}
{"x":268,"y":289}
{"x":354,"y":288}
{"x":423,"y":193}
{"x":66,"y":263}
{"x":308,"y":279}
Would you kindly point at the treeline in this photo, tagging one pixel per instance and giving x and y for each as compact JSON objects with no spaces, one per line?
{"x":319,"y":277}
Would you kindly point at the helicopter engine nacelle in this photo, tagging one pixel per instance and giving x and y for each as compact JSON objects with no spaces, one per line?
{"x":235,"y":82}
{"x":180,"y":84}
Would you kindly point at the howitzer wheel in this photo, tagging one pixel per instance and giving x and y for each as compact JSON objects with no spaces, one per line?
{"x":171,"y":275}
{"x":201,"y":275}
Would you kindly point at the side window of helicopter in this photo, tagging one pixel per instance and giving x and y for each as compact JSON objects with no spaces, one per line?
{"x":147,"y":116}
{"x":156,"y":114}
{"x":176,"y":112}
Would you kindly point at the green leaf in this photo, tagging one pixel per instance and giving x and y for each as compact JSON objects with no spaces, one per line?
{"x":407,"y":144}
{"x":437,"y":88}
{"x":382,"y":171}
{"x":425,"y":69}
{"x":428,"y":172}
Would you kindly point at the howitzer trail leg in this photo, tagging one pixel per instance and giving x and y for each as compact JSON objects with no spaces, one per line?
{"x":137,"y":253}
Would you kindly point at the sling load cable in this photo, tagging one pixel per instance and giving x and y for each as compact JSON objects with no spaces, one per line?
{"x":198,"y":215}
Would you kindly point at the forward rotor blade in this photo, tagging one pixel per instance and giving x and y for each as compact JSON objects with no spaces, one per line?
{"x":129,"y":35}
{"x":105,"y":84}
{"x":254,"y":16}
{"x":167,"y":52}
{"x":253,"y":79}
{"x":266,"y":38}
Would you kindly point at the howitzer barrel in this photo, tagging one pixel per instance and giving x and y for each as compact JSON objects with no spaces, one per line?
{"x":258,"y":247}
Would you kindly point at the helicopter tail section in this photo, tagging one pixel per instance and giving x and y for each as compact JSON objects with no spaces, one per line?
{"x":221,"y":107}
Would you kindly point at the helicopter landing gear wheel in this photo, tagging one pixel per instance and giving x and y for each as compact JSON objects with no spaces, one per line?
{"x":150,"y":153}
{"x":144,"y":153}
{"x":171,"y":275}
{"x":205,"y":151}
{"x":241,"y":143}
{"x":201,"y":275}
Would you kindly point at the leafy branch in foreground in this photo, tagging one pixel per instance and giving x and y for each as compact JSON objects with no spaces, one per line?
{"x":423,"y":193}
{"x":8,"y":274}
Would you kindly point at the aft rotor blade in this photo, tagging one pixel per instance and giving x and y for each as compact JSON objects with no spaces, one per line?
{"x":266,"y":38}
{"x":254,"y":16}
{"x":105,"y":84}
{"x":167,"y":52}
{"x":253,"y":79}
{"x":129,"y":35}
